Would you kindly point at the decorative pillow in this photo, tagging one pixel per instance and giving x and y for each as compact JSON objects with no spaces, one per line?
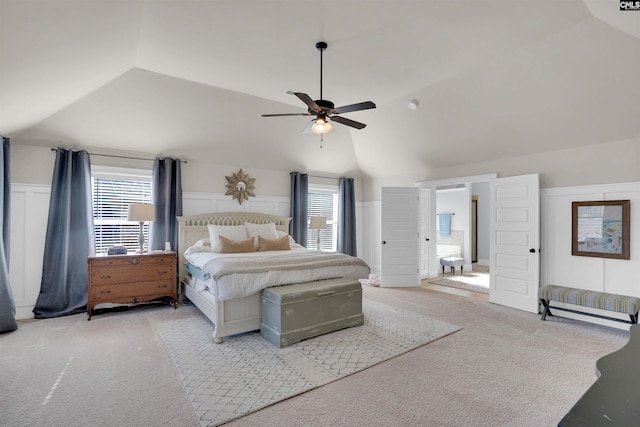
{"x":292,"y":241}
{"x":233,"y":232}
{"x":228,"y":246}
{"x":279,"y":244}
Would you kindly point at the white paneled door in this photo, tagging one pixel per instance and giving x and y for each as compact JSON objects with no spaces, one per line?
{"x":399,"y":237}
{"x":515,"y":242}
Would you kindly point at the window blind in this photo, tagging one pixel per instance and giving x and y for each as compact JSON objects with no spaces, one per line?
{"x":111,"y":198}
{"x":323,"y":203}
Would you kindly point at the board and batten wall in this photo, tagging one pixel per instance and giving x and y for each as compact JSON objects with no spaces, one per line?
{"x":561,"y":268}
{"x":29,"y":213}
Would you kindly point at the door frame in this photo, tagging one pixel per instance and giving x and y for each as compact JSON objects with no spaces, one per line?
{"x":433,"y":187}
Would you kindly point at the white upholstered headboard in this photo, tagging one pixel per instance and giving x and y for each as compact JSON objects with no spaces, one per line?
{"x":195,"y":227}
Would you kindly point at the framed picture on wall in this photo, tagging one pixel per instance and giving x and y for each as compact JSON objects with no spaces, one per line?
{"x":601,"y":229}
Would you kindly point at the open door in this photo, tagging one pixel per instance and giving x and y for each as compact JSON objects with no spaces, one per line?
{"x":514,"y":242}
{"x":399,"y":237}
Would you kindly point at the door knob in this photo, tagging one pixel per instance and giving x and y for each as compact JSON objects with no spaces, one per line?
{"x":533,"y":251}
{"x":384,"y":242}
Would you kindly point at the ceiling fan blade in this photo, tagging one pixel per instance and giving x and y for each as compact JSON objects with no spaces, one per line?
{"x":307,"y":129}
{"x":307,"y":100}
{"x":354,"y":107}
{"x":286,"y":114}
{"x":348,"y":122}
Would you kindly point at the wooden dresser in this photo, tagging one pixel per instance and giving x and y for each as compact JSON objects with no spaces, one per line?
{"x":131,"y":278}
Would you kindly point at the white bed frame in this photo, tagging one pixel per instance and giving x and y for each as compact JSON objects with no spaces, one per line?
{"x":233,"y":316}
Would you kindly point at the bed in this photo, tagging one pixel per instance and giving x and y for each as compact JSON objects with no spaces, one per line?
{"x":227,"y":287}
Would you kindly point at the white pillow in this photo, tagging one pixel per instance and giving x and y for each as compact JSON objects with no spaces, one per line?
{"x":233,"y":232}
{"x":267,"y":231}
{"x":203,"y":243}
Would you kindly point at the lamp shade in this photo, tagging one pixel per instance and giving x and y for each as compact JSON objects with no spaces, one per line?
{"x":318,"y":223}
{"x":140,"y":212}
{"x":321,"y":126}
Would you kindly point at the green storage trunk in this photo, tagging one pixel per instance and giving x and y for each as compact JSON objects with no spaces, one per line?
{"x":292,"y":313}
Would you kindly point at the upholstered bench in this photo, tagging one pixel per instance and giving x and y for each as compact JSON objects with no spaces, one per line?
{"x":581,"y":297}
{"x":292,"y":313}
{"x":452,"y":262}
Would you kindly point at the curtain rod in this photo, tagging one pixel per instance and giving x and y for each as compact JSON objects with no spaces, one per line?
{"x":121,"y":157}
{"x":446,"y":213}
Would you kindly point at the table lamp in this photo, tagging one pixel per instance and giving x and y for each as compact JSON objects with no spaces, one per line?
{"x":318,"y":223}
{"x":141,"y":212}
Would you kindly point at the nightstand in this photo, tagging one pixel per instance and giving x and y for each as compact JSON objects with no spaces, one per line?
{"x":131,"y":278}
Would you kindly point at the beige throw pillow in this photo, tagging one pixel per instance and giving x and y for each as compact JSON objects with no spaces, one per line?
{"x":229,"y":246}
{"x":280,"y":244}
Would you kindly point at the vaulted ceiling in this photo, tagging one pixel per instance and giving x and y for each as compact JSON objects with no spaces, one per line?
{"x":494,"y":78}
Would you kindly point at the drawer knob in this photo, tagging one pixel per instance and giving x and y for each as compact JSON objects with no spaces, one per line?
{"x":105,"y":292}
{"x":162,"y":286}
{"x":103,"y":276}
{"x":161,"y":273}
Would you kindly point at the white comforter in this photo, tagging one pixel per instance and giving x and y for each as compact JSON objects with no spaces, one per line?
{"x":233,"y":277}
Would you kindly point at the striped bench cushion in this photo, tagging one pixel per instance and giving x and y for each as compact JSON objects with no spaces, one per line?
{"x":593,"y":299}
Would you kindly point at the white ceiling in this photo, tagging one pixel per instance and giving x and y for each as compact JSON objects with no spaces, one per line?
{"x":494,"y":78}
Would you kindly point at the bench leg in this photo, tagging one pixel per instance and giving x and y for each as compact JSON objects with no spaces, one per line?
{"x":443,"y":269}
{"x":634,"y":318}
{"x":453,"y":270}
{"x":546,"y":310}
{"x":462,"y":270}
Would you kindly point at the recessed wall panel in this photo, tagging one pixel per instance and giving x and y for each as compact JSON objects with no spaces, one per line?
{"x":515,"y":286}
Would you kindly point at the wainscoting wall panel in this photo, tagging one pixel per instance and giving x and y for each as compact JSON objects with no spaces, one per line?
{"x":30,"y":206}
{"x":369,"y":240}
{"x":29,"y":215}
{"x":559,"y":267}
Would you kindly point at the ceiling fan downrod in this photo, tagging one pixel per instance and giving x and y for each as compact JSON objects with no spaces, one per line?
{"x":321,"y":46}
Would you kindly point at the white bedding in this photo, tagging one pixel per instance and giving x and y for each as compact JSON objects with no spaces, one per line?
{"x":243,"y":283}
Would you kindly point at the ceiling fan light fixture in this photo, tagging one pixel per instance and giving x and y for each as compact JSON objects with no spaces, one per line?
{"x":321,"y":126}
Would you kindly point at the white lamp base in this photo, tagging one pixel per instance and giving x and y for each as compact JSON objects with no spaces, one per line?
{"x":141,"y":239}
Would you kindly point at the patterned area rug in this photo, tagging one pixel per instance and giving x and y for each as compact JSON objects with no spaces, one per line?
{"x":246,"y":373}
{"x":468,"y":281}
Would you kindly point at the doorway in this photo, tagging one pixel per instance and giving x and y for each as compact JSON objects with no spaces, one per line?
{"x":466,"y":201}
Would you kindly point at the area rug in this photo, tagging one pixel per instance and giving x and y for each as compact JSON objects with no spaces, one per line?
{"x":246,"y":373}
{"x":468,"y":281}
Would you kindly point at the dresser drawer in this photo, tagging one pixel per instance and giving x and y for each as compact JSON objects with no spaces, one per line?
{"x":113,"y":275}
{"x":128,"y":261}
{"x":132,"y":291}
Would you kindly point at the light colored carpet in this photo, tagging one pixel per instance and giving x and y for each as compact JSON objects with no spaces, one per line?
{"x":246,"y":372}
{"x":504,"y":368}
{"x":476,"y":282}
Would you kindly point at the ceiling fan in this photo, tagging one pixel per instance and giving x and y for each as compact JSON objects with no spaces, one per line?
{"x":324,"y":110}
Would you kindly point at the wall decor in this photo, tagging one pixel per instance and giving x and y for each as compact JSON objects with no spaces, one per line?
{"x":601,"y":229}
{"x":240,"y":186}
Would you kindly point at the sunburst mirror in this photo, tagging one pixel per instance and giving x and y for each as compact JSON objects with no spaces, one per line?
{"x":240,"y":186}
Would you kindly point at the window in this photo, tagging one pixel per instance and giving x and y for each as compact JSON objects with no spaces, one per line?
{"x":112,"y":191}
{"x":323,"y":201}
